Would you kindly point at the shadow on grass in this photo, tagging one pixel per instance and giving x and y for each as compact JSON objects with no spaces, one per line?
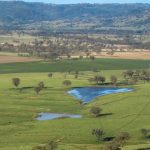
{"x":108,"y":139}
{"x":106,"y":114}
{"x":25,"y":89}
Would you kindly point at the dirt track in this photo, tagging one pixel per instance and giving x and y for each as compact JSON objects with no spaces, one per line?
{"x":10,"y":59}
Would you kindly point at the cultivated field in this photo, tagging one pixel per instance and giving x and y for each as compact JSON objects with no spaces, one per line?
{"x":8,"y":57}
{"x":19,"y":106}
{"x":11,"y":59}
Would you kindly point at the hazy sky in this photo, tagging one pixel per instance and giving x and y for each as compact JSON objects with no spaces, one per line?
{"x":89,"y":1}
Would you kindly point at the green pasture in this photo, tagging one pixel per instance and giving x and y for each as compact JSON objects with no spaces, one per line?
{"x":73,"y":65}
{"x":18,"y":109}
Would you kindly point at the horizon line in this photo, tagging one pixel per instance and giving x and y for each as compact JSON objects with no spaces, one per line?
{"x":26,"y":1}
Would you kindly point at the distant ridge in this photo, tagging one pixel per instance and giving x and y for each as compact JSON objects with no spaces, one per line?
{"x":14,"y":13}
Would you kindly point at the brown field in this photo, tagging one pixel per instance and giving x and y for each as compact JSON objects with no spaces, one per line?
{"x":127,"y":55}
{"x":11,"y":59}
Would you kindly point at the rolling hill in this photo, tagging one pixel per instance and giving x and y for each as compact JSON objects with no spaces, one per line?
{"x":89,"y":17}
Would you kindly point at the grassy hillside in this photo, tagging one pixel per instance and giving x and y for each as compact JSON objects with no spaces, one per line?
{"x":20,"y":131}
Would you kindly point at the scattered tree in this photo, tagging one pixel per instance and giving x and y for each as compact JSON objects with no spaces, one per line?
{"x":118,"y":142}
{"x":99,"y":133}
{"x":122,"y":139}
{"x":113,"y":79}
{"x":76,"y":74}
{"x":128,"y":74}
{"x":16,"y":82}
{"x":92,"y":57}
{"x":41,"y":85}
{"x":37,"y":89}
{"x":67,"y":83}
{"x":95,"y":111}
{"x":50,"y":75}
{"x":80,"y":57}
{"x":99,"y":79}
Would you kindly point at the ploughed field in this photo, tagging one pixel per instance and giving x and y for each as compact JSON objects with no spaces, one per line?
{"x":19,"y":107}
{"x":12,"y":59}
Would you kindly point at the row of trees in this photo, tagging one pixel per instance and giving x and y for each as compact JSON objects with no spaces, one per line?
{"x":101,"y":79}
{"x":41,"y":85}
{"x":55,"y":46}
{"x":133,"y":76}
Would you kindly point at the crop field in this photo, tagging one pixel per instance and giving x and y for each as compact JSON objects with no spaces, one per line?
{"x":74,"y":65}
{"x":19,"y":130}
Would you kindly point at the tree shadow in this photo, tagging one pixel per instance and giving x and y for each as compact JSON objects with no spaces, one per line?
{"x":21,"y":89}
{"x":106,"y":114}
{"x":108,"y":139}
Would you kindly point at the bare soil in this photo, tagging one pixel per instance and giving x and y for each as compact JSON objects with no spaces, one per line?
{"x":11,"y":59}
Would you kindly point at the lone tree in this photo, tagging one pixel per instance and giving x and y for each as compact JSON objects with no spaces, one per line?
{"x":37,"y":89}
{"x":41,"y":85}
{"x":67,"y":83}
{"x":50,"y":75}
{"x":16,"y":82}
{"x":99,"y":133}
{"x":99,"y":79}
{"x":113,"y":79}
{"x":92,"y":57}
{"x":76,"y":74}
{"x":95,"y":111}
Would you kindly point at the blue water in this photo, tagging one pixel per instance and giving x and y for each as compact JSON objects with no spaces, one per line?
{"x":51,"y":116}
{"x":87,"y":94}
